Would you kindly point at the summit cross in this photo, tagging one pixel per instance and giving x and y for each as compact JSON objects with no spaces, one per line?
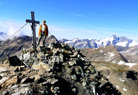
{"x":33,"y":26}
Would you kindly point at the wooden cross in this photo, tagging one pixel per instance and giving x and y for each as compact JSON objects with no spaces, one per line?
{"x":33,"y":26}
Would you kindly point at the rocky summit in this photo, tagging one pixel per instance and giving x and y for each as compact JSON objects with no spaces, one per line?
{"x":56,"y":69}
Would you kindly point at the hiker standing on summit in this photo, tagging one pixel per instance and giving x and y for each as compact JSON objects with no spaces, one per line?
{"x":43,"y":32}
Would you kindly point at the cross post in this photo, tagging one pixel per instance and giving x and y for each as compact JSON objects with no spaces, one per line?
{"x":33,"y":26}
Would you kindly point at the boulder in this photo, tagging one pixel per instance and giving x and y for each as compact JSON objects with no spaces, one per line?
{"x":41,"y":66}
{"x":3,"y":80}
{"x":12,"y":80}
{"x":26,"y":56}
{"x":15,"y":61}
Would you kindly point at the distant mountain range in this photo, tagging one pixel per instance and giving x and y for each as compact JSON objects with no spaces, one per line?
{"x":125,"y":46}
{"x":94,"y":43}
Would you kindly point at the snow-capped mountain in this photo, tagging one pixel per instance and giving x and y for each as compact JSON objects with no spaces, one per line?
{"x":94,"y":43}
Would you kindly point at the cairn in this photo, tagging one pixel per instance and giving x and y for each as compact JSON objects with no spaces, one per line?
{"x":56,"y":69}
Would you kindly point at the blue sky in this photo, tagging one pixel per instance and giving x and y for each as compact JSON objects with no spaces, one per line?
{"x":92,"y":19}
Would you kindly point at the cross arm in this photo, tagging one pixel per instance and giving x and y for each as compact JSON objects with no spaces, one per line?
{"x":31,"y":21}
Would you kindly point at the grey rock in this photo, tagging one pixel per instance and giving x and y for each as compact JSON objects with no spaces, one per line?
{"x":24,"y":85}
{"x":74,"y":55}
{"x":74,"y":77}
{"x":73,"y":62}
{"x":4,"y":93}
{"x":26,"y":56}
{"x":15,"y":86}
{"x":27,"y":79}
{"x":25,"y":90}
{"x":3,"y":79}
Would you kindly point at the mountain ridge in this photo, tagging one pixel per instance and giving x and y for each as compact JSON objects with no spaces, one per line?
{"x":15,"y":45}
{"x":94,"y":43}
{"x":108,"y":53}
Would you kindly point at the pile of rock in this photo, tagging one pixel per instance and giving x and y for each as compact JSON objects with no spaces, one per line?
{"x":56,"y":69}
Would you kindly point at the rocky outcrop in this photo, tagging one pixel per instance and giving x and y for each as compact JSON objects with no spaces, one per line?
{"x":53,"y":70}
{"x":124,"y":78}
{"x":108,"y":53}
{"x":131,"y":54}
